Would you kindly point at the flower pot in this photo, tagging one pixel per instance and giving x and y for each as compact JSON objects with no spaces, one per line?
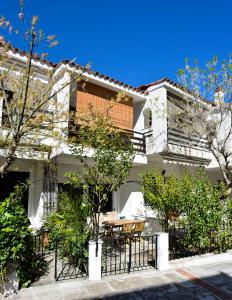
{"x":45,"y":239}
{"x":172,"y":216}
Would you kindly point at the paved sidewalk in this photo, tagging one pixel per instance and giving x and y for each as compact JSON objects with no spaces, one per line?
{"x":207,"y":282}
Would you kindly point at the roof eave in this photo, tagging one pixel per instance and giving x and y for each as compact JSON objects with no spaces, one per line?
{"x":97,"y":78}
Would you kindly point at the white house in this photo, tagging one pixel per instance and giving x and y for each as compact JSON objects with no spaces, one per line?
{"x":146,"y":117}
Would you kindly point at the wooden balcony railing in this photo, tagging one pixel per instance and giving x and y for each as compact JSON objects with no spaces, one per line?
{"x":137,"y":139}
{"x":179,"y":138}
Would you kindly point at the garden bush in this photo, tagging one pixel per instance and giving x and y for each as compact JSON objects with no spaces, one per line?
{"x":166,"y":196}
{"x":69,"y":227}
{"x":205,"y":217}
{"x":196,"y":212}
{"x":16,"y":239}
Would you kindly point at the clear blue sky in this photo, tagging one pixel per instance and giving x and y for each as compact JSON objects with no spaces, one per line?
{"x":136,"y":41}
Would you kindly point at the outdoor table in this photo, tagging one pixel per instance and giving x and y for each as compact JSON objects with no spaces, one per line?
{"x":119,"y":223}
{"x":111,"y":224}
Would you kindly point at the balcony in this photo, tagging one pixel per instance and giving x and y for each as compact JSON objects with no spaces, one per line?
{"x":179,"y":138}
{"x":137,"y":139}
{"x":185,"y":149}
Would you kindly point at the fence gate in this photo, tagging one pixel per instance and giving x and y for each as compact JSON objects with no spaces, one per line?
{"x":128,"y":254}
{"x":70,"y":261}
{"x":64,"y":257}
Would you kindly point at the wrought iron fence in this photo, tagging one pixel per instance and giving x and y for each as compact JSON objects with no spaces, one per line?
{"x":70,"y":258}
{"x":123,"y":255}
{"x":119,"y":255}
{"x":64,"y":255}
{"x":180,"y":243}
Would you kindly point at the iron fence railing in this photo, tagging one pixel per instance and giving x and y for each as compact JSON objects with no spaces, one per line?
{"x":71,"y":259}
{"x":180,"y":245}
{"x":123,"y":255}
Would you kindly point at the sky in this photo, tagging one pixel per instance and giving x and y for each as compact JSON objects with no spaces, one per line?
{"x":135,"y":41}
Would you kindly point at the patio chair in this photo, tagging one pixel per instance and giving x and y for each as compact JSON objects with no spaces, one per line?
{"x":137,"y":230}
{"x":126,"y":232}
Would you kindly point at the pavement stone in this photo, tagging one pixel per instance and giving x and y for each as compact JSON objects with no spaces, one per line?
{"x":156,"y":281}
{"x":198,"y":294}
{"x":141,"y":285}
{"x":100,"y":288}
{"x":180,"y":280}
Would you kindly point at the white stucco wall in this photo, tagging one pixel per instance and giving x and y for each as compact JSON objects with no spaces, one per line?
{"x":35,"y":195}
{"x":129,"y":200}
{"x":156,"y":101}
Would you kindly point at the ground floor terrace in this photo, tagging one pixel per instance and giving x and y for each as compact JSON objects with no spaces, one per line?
{"x":128,"y":202}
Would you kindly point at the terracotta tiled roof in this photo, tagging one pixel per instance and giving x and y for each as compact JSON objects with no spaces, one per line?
{"x":36,"y":57}
{"x":146,"y":86}
{"x":101,"y":76}
{"x":173,"y":83}
{"x":141,"y":89}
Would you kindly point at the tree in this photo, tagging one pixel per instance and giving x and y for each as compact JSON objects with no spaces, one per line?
{"x":202,"y":221}
{"x":210,"y":119}
{"x":166,"y":196}
{"x":106,"y":159}
{"x":30,"y":109}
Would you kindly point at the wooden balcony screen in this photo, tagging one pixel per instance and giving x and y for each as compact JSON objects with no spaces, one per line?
{"x":101,"y":99}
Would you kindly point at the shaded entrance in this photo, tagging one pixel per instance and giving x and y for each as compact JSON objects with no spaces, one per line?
{"x":7,"y":183}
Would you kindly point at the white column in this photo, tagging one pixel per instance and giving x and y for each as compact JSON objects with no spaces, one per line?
{"x":162,"y":251}
{"x":94,"y":265}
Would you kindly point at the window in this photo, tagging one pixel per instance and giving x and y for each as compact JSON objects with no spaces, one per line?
{"x":147,"y":114}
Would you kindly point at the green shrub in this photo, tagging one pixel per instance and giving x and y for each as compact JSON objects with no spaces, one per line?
{"x":16,"y":238}
{"x":205,"y":216}
{"x":70,"y":229}
{"x":202,"y":210}
{"x":166,"y":196}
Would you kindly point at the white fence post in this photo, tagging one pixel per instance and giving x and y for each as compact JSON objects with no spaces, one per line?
{"x":162,"y":251}
{"x":94,"y":262}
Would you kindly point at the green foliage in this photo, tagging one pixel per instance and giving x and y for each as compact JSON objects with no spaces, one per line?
{"x":108,"y":167}
{"x":70,"y":229}
{"x":16,"y":239}
{"x":205,"y":216}
{"x":167,"y":196}
{"x":201,"y":210}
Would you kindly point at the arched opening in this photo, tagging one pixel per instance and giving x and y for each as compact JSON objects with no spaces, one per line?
{"x":147,"y":114}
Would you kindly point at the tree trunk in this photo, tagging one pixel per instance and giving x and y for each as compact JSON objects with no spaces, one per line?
{"x":224,"y":171}
{"x":9,"y":159}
